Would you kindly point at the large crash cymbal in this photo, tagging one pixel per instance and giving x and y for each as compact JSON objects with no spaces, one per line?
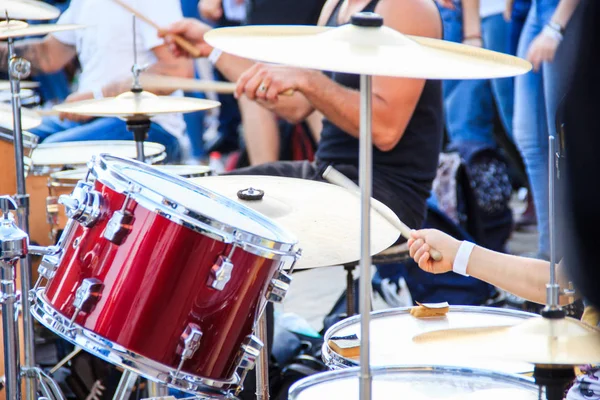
{"x":541,"y":341}
{"x":29,"y":119}
{"x":28,"y":9}
{"x":14,"y":29}
{"x":364,"y":50}
{"x":325,"y":218}
{"x":152,"y":81}
{"x":131,"y":105}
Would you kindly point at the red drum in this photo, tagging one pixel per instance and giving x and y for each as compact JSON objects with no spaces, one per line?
{"x":163,"y":277}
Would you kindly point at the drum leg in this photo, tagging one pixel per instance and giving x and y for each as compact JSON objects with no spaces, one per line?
{"x":10,"y":332}
{"x":125,"y":385}
{"x":350,"y":308}
{"x":262,"y":366}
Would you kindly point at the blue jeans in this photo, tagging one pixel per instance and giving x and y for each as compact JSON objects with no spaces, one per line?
{"x":469,"y":104}
{"x":53,"y":130}
{"x":537,"y":95}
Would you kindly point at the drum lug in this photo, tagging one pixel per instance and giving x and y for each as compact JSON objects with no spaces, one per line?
{"x":251,"y":347}
{"x":86,"y":296}
{"x":279,"y":287}
{"x":83,"y":205}
{"x":119,"y":227}
{"x":49,"y":265}
{"x":190,"y":342}
{"x":220,"y":273}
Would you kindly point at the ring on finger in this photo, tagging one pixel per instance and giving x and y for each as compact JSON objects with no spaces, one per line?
{"x":262,"y":88}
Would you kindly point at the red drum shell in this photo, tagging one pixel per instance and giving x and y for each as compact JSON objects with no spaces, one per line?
{"x":155,"y":284}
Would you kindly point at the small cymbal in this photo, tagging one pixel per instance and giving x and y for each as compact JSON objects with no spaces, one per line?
{"x":365,"y":50}
{"x":5,"y":85}
{"x":325,"y":218}
{"x":541,"y":341}
{"x":152,"y":81}
{"x":29,"y":119}
{"x":13,"y":29}
{"x":131,"y":105}
{"x":28,"y":10}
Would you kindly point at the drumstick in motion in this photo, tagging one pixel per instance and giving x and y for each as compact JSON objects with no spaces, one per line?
{"x":334,"y":176}
{"x":184,"y":44}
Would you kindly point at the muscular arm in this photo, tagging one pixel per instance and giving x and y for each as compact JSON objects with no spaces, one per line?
{"x":46,"y":55}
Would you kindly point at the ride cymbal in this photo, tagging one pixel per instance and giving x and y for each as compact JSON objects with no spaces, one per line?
{"x":29,"y":119}
{"x":365,"y":50}
{"x":324,"y":217}
{"x":28,"y":10}
{"x":131,"y":105}
{"x":13,"y":29}
{"x":541,"y":341}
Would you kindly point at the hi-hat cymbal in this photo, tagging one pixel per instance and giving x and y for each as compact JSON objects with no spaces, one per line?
{"x":13,"y":29}
{"x":541,"y":341}
{"x":131,"y":105}
{"x":364,"y":50}
{"x":29,"y":119}
{"x":28,"y":9}
{"x":152,"y":81}
{"x":5,"y":85}
{"x":325,"y":218}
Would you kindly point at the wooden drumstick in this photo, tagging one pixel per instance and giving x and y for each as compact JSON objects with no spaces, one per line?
{"x":334,"y":176}
{"x":184,"y":44}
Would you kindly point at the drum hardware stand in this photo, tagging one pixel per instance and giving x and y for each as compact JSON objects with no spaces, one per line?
{"x":262,"y":366}
{"x":19,"y":68}
{"x":126,"y":384}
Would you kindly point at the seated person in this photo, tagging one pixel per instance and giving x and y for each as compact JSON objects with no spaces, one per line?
{"x":407,"y":113}
{"x":105,"y":52}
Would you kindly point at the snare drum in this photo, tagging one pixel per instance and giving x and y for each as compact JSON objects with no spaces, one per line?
{"x":392,"y":332}
{"x":63,"y":183}
{"x":418,"y":383}
{"x":54,"y":157}
{"x":8,"y":170}
{"x":163,"y":277}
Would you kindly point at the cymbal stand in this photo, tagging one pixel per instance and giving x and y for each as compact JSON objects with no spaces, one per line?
{"x":19,"y":68}
{"x":262,"y":364}
{"x":139,"y":128}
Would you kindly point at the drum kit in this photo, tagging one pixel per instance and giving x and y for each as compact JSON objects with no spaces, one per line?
{"x":166,"y":272}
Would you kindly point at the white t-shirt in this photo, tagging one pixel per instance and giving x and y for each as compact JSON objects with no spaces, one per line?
{"x":105,"y":46}
{"x":487,"y":8}
{"x":234,"y":11}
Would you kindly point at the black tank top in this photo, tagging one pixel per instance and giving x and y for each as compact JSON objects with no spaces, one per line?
{"x":414,"y":160}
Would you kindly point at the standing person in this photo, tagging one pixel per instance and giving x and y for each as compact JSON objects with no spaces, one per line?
{"x":537,"y":95}
{"x":105,"y":51}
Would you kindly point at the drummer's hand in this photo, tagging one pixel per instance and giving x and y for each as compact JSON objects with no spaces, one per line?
{"x":266,"y":82}
{"x":424,"y":240}
{"x":211,"y":9}
{"x":542,"y":49}
{"x":190,"y":29}
{"x":73,"y":97}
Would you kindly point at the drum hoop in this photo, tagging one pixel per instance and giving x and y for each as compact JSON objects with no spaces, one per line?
{"x":334,"y":360}
{"x":116,"y":354}
{"x":298,"y":387}
{"x":30,"y":141}
{"x":47,"y":169}
{"x":194,"y":220}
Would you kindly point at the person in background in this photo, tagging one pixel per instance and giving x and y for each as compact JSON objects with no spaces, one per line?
{"x":105,"y":51}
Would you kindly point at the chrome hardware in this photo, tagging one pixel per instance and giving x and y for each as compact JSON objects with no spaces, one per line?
{"x":83,"y":205}
{"x":190,"y":339}
{"x":220,"y":273}
{"x":86,"y":296}
{"x":49,"y":264}
{"x":279,"y":287}
{"x":19,"y":68}
{"x":251,"y":347}
{"x":118,"y":227}
{"x":14,"y":242}
{"x":52,"y":210}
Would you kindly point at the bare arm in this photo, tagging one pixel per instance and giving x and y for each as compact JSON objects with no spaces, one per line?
{"x":46,"y":55}
{"x":564,"y":11}
{"x":471,"y":21}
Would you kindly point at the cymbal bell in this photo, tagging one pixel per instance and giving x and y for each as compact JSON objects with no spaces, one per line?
{"x":5,"y":85}
{"x":13,"y":29}
{"x":152,"y":81}
{"x":541,"y":341}
{"x":131,"y":105}
{"x":324,"y":217}
{"x":29,"y":119}
{"x":364,"y":50}
{"x":28,"y":10}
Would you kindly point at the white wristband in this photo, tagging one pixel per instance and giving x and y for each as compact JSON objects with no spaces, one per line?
{"x":462,"y":258}
{"x":98,"y":94}
{"x":553,"y":33}
{"x":214,"y":56}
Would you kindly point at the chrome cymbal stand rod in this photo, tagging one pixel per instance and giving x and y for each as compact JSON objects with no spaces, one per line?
{"x":552,"y":289}
{"x":125,"y":385}
{"x":365,"y":180}
{"x":262,"y":364}
{"x":19,"y":68}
